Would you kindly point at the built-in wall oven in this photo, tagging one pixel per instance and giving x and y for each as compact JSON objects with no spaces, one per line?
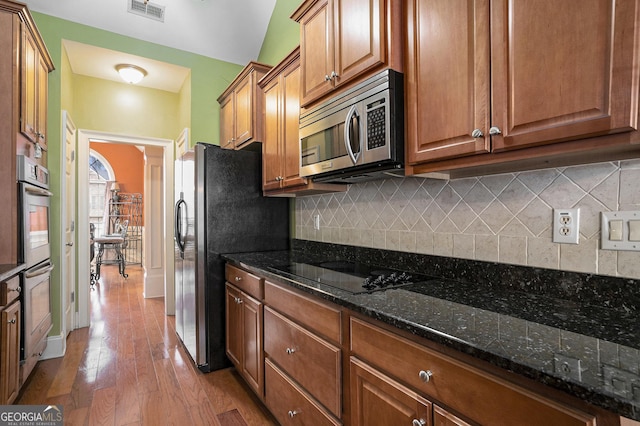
{"x":35,"y":252}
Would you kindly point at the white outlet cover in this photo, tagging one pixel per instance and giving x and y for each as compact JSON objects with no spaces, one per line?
{"x":566,"y":233}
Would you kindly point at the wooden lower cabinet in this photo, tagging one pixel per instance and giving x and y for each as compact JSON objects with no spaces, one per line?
{"x":378,"y":400}
{"x":460,"y":386}
{"x":289,"y":403}
{"x":244,"y":336}
{"x":306,"y":358}
{"x":9,"y":353}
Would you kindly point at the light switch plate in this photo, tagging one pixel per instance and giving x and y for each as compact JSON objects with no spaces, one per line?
{"x":629,"y":220}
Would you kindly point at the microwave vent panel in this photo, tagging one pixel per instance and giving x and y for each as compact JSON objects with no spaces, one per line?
{"x":147,"y":9}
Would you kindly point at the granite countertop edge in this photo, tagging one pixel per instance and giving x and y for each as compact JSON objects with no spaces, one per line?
{"x":607,"y":401}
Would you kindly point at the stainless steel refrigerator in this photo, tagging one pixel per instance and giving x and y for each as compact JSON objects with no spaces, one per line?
{"x":219,"y":209}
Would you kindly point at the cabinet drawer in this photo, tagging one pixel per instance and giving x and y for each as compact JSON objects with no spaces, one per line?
{"x":308,"y":359}
{"x":9,"y":290}
{"x":245,"y":281}
{"x":290,"y":404}
{"x":314,"y":315}
{"x":462,"y":387}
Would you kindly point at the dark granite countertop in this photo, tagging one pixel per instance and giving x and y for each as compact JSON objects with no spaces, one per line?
{"x":535,"y":322}
{"x":8,"y":271}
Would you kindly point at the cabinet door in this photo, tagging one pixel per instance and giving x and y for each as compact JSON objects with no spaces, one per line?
{"x":316,"y":51}
{"x":378,"y":400}
{"x":42,"y":81}
{"x":252,"y":356}
{"x":360,"y":37}
{"x":29,"y":62}
{"x":226,"y":123}
{"x":442,"y":417}
{"x":271,"y":146}
{"x":233,"y":327}
{"x":447,"y":78}
{"x":10,"y":354}
{"x":563,"y":70}
{"x":244,"y":110}
{"x":291,"y":127}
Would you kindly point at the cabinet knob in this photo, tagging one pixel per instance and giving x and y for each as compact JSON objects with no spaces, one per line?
{"x":12,"y":321}
{"x":326,"y":77}
{"x":292,"y":413}
{"x":494,"y":131}
{"x":418,"y":422}
{"x":69,"y":244}
{"x":425,"y":375}
{"x":333,"y":75}
{"x":477,"y":133}
{"x":238,"y":300}
{"x":238,"y":278}
{"x":19,"y":289}
{"x":290,"y":351}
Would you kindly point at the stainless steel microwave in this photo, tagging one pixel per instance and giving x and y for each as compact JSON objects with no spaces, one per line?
{"x":357,"y":135}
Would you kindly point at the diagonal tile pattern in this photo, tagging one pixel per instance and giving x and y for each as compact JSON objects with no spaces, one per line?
{"x":505,"y":218}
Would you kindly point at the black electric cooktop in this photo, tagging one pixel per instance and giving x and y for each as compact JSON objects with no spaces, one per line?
{"x":353,"y":277}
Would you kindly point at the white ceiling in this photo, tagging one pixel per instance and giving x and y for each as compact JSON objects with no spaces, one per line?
{"x":229,"y":30}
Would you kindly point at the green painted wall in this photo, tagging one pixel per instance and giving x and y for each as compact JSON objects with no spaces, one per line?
{"x":122,"y":108}
{"x":283,"y":33}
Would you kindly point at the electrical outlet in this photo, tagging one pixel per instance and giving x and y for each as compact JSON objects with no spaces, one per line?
{"x":566,"y":226}
{"x":567,"y":367}
{"x":316,"y":222}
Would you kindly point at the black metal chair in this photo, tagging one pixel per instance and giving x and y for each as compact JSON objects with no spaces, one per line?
{"x":116,"y":242}
{"x":93,"y":279}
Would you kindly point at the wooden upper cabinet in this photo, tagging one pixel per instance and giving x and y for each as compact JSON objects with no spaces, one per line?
{"x":241,"y":106}
{"x":447,"y":78}
{"x":36,"y":66}
{"x":563,"y":70}
{"x":316,"y":51}
{"x":342,"y":40}
{"x":495,"y":76}
{"x":226,"y":123}
{"x":282,"y":124}
{"x":281,"y":144}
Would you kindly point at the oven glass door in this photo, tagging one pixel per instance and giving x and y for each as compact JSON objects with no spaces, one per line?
{"x":37,"y":306}
{"x":36,"y":245}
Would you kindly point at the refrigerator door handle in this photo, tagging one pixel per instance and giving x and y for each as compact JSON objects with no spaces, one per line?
{"x":177,"y":223}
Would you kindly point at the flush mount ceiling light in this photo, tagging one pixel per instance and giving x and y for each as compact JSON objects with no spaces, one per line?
{"x":131,"y":73}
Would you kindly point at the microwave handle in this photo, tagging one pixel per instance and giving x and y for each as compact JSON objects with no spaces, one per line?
{"x":353,"y":111}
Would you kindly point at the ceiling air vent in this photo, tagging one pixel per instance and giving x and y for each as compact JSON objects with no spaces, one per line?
{"x":147,"y":9}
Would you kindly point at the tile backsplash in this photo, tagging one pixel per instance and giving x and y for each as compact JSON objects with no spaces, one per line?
{"x":503,"y":218}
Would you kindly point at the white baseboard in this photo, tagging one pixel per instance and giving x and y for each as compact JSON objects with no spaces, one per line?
{"x":56,"y":347}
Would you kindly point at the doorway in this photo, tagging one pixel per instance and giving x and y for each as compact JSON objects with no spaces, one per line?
{"x":158,"y":259}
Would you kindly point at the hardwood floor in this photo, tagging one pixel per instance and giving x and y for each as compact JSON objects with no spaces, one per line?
{"x":128,"y":368}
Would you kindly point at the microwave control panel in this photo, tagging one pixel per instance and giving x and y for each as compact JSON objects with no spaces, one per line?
{"x":376,"y":131}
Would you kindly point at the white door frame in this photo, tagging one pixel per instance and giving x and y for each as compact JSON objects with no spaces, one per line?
{"x":84,"y":137}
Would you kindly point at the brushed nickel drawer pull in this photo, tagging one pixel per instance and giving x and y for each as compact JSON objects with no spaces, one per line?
{"x":290,"y":351}
{"x":425,"y":376}
{"x":238,"y":278}
{"x":418,"y":422}
{"x":292,"y":413}
{"x":12,"y":321}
